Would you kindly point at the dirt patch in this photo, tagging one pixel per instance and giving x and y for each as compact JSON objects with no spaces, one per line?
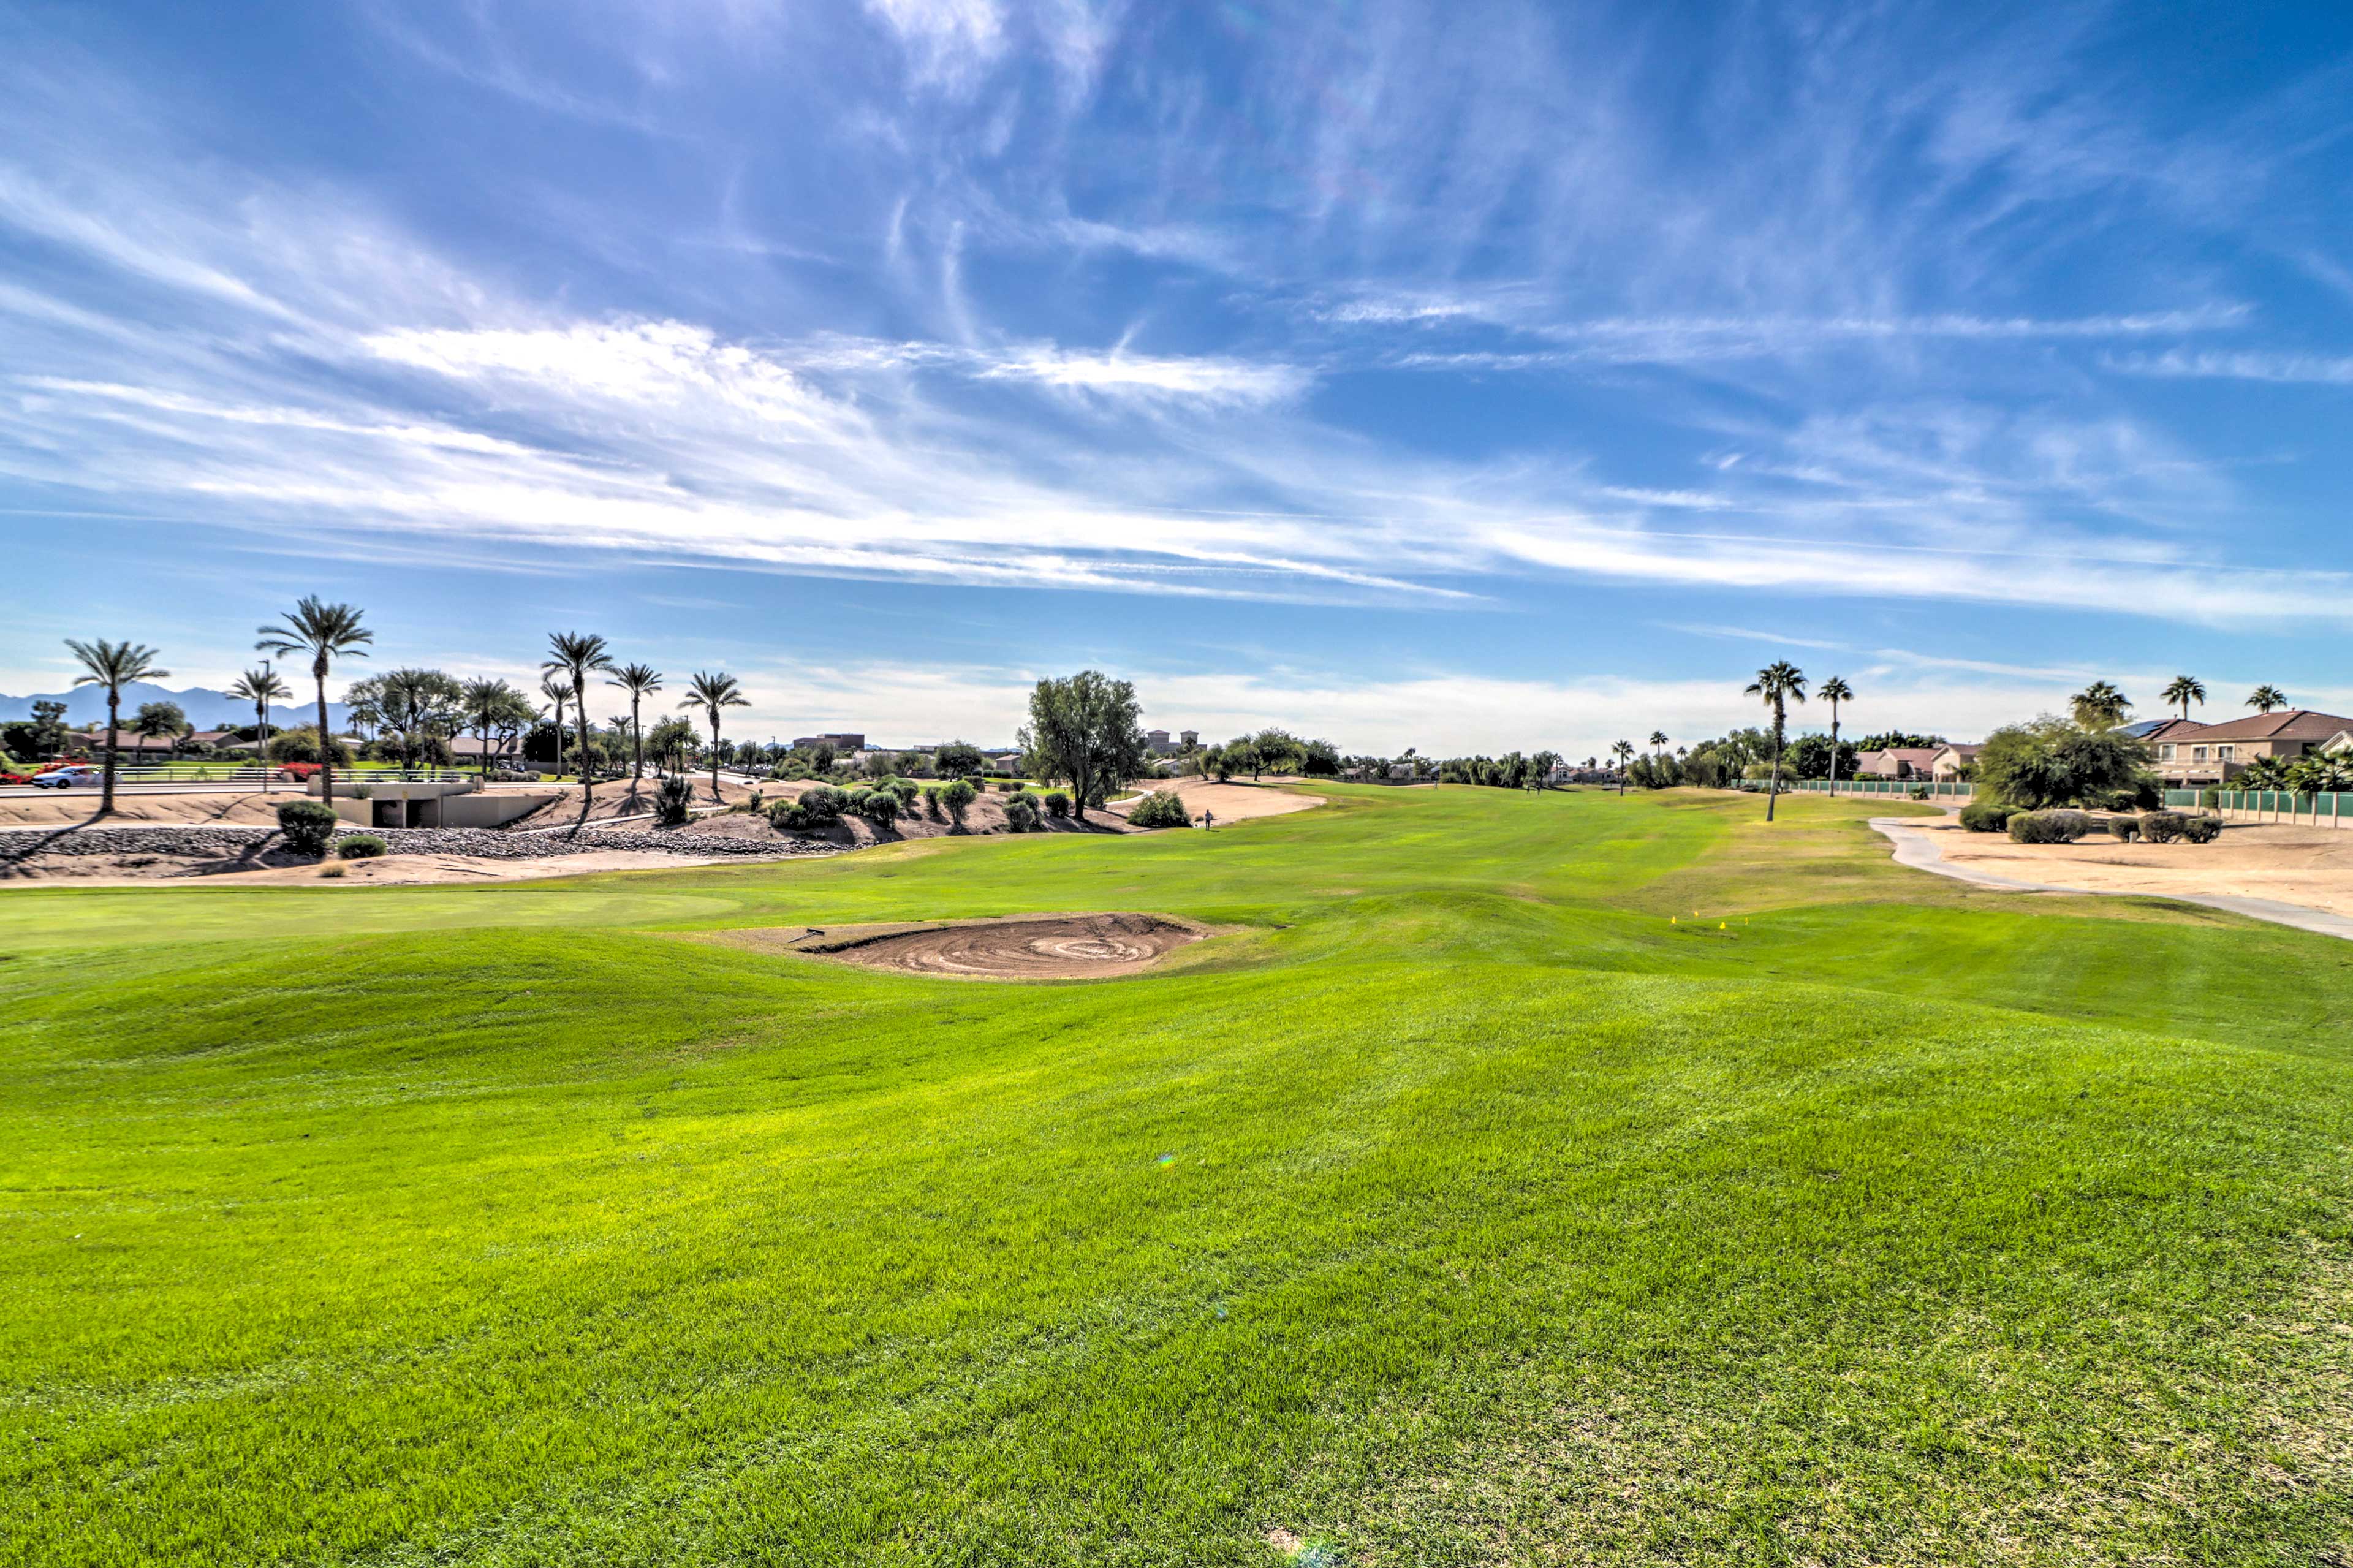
{"x":65,"y":808}
{"x":2311,"y":868}
{"x":1024,"y":947}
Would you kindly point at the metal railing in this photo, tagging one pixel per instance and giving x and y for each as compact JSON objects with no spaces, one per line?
{"x":1902,"y":789}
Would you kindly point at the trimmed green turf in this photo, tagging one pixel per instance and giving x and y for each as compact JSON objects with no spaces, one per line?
{"x":1460,"y":1208}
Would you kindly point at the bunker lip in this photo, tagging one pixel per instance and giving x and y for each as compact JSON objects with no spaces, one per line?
{"x":1014,"y":947}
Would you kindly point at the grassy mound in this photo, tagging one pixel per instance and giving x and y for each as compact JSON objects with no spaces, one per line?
{"x":1556,"y":1178}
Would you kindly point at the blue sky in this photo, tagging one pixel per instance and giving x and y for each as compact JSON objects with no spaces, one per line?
{"x":1469,"y":376}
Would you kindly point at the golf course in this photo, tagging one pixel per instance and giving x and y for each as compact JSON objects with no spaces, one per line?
{"x":1500,"y":1177}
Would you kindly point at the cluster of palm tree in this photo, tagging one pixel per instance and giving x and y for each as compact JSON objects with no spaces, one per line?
{"x":416,"y":703}
{"x":2102,"y":706}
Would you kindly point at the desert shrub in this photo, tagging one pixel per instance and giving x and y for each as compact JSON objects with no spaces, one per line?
{"x":1022,"y":812}
{"x":2049,"y":827}
{"x":1987,"y":815}
{"x":2054,"y":763}
{"x":307,"y":825}
{"x":878,"y":806}
{"x":672,"y":797}
{"x":1161,"y":808}
{"x":1919,"y":792}
{"x":2125,"y":828}
{"x":2210,"y":798}
{"x":821,"y":804}
{"x":932,"y":801}
{"x":2162,"y":827}
{"x":360,"y":847}
{"x":956,"y":794}
{"x":2203,"y":829}
{"x":1011,"y":786}
{"x":332,"y":868}
{"x":901,"y":790}
{"x":1058,"y":802}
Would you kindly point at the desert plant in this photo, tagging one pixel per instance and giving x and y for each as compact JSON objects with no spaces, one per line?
{"x":878,"y":806}
{"x":1022,"y":812}
{"x":1058,"y":802}
{"x":2162,"y":827}
{"x":1161,"y":808}
{"x":932,"y":801}
{"x":956,"y":794}
{"x":2049,"y":827}
{"x":1987,"y":815}
{"x":360,"y":847}
{"x":2201,"y":829}
{"x":1919,"y":792}
{"x":2124,"y":829}
{"x":307,"y":825}
{"x":673,"y":798}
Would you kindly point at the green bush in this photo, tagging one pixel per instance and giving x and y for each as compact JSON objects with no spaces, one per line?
{"x":1161,"y":808}
{"x":878,"y":806}
{"x":822,"y":803}
{"x":2203,"y":829}
{"x":932,"y":801}
{"x":2049,"y":827}
{"x":360,"y":847}
{"x":1987,"y":815}
{"x":1022,"y":812}
{"x":958,"y":794}
{"x":672,"y":797}
{"x":2125,"y":828}
{"x":2162,"y":827}
{"x":308,"y":825}
{"x":1058,"y":802}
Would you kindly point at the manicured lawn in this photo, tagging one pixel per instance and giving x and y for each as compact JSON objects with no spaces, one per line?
{"x":1460,"y":1208}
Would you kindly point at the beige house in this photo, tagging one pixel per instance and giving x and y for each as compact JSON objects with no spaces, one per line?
{"x":1955,"y":763}
{"x":2189,"y":755}
{"x":1899,"y":762}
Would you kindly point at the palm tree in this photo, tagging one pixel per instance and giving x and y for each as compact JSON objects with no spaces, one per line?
{"x":261,"y":686}
{"x":2101,"y":706}
{"x":637,"y":680}
{"x":1658,"y":739}
{"x":323,"y":631}
{"x":113,"y":665}
{"x":2263,"y":699}
{"x":1779,"y":683}
{"x":2184,"y":691}
{"x":576,"y":654}
{"x":1836,"y":690}
{"x":485,"y":702}
{"x":1623,"y":750}
{"x":557,"y":695}
{"x":711,"y":693}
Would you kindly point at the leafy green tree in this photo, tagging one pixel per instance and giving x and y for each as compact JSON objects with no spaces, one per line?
{"x":1820,"y":757}
{"x":421,"y":707}
{"x":323,"y":631}
{"x":113,"y":665}
{"x":156,"y":720}
{"x":640,"y":682}
{"x":957,"y":760}
{"x":2183,"y":692}
{"x":492,"y":706}
{"x":2263,"y":699}
{"x":1778,"y":684}
{"x":574,"y":655}
{"x":1896,"y":740}
{"x":2054,"y":763}
{"x":2100,"y":706}
{"x":1085,"y":729}
{"x":711,"y":692}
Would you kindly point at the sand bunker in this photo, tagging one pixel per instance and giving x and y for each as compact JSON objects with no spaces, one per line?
{"x":2308,"y":866}
{"x":1027,"y":947}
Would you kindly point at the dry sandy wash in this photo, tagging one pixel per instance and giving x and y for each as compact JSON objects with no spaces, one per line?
{"x":2308,"y":866}
{"x":1022,"y":947}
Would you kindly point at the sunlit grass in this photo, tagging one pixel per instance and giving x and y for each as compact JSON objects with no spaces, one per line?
{"x":1476,"y":1202}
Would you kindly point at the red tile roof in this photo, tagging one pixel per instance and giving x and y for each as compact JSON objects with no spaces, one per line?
{"x":2292,"y":724}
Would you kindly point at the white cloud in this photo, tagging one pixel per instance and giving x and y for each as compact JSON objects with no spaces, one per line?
{"x":950,"y":43}
{"x":2328,"y":370}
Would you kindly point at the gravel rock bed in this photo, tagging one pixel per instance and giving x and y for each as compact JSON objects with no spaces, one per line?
{"x":220,"y":843}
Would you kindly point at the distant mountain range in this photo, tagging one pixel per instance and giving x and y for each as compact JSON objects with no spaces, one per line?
{"x":205,"y":709}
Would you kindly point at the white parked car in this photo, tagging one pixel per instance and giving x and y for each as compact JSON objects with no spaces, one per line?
{"x":69,"y":778}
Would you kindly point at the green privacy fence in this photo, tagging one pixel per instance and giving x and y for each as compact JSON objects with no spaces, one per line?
{"x":1900,"y":788}
{"x":2272,"y":804}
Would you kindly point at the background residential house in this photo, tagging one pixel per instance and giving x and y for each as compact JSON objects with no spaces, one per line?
{"x":2191,"y":754}
{"x":1899,"y":762}
{"x":1954,"y":762}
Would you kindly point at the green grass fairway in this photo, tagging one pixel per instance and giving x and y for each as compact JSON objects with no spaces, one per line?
{"x":1552,"y":1179}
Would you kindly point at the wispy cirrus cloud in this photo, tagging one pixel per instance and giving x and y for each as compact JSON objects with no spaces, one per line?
{"x":2287,"y":369}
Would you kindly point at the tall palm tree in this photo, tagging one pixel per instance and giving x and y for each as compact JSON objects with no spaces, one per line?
{"x":113,"y":665}
{"x":637,"y":680}
{"x":2184,"y":691}
{"x":261,"y":686}
{"x":2263,"y":699}
{"x":1836,"y":690}
{"x":323,"y":631}
{"x":557,"y":694}
{"x":485,"y":702}
{"x":1624,"y":752}
{"x":576,"y":654}
{"x":711,"y":693}
{"x":1779,"y":683}
{"x":1658,"y":739}
{"x":2101,"y":706}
